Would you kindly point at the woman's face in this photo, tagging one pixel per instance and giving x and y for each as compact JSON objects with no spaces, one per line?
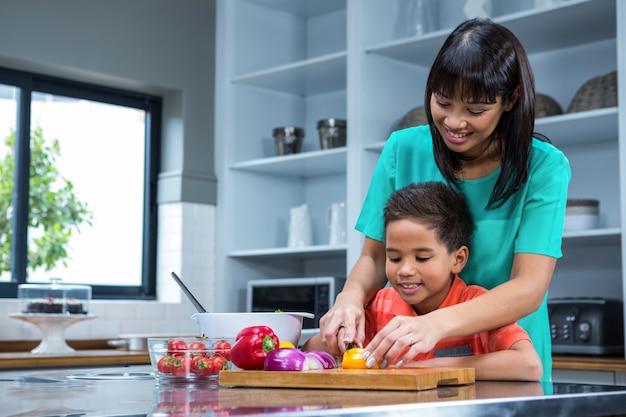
{"x":418,"y":267}
{"x":466,"y":126}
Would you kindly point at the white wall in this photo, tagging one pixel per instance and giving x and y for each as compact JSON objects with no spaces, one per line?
{"x":163,"y":47}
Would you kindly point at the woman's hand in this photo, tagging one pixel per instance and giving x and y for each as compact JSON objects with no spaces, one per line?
{"x":402,"y":339}
{"x":345,"y":321}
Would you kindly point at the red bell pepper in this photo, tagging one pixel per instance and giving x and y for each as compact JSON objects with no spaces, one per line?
{"x":251,"y":346}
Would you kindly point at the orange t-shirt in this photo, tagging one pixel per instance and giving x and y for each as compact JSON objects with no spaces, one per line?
{"x":389,"y":304}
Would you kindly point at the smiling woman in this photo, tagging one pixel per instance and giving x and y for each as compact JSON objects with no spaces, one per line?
{"x":82,"y":158}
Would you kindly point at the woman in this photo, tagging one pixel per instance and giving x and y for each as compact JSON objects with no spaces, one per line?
{"x":479,"y":101}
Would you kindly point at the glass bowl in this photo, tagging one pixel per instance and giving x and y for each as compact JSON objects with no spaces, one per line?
{"x":189,"y":359}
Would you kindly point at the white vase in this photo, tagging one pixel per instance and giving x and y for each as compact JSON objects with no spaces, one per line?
{"x":450,"y":13}
{"x":477,"y":8}
{"x":415,"y":17}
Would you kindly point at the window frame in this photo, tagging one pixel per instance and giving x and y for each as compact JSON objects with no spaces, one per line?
{"x":27,"y":83}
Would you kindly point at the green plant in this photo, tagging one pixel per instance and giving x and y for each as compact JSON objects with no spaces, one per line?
{"x":54,"y":210}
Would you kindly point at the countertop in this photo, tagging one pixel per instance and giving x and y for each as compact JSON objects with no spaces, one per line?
{"x":132,"y":391}
{"x":95,"y":354}
{"x":17,"y":354}
{"x":95,"y":357}
{"x":589,"y":363}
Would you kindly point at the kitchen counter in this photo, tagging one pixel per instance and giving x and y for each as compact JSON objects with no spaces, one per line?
{"x":131,"y":391}
{"x":96,"y":357}
{"x":589,"y":363}
{"x":93,"y":353}
{"x":97,"y":352}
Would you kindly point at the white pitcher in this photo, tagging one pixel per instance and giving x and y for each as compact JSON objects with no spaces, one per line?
{"x":337,"y":222}
{"x":299,"y":226}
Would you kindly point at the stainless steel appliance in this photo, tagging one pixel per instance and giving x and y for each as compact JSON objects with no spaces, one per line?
{"x":586,"y":325}
{"x":312,"y":295}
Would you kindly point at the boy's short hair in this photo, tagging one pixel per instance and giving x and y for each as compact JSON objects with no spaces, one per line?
{"x":437,"y":206}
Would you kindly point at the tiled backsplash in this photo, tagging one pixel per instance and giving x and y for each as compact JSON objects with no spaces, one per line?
{"x":186,"y":244}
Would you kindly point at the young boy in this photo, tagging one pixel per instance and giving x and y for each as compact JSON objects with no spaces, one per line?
{"x":427,"y":233}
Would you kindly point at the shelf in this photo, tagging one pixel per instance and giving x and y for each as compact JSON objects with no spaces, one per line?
{"x":552,"y":29}
{"x":594,"y":237}
{"x":303,"y":8}
{"x":582,"y":127}
{"x":306,"y":164}
{"x":301,"y":252}
{"x":590,"y":126}
{"x":309,"y":77}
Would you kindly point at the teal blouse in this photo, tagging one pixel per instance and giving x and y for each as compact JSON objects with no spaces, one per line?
{"x":531,"y":221}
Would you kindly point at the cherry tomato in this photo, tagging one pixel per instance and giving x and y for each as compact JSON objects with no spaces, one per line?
{"x":197,"y":348}
{"x":181,"y":366}
{"x":165,"y":364}
{"x":176,"y":346}
{"x":222,"y":348}
{"x":217,"y":363}
{"x":353,"y":359}
{"x":202,"y":366}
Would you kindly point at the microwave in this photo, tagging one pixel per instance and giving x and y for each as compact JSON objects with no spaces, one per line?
{"x":311,"y":295}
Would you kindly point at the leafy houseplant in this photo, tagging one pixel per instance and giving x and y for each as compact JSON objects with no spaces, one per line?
{"x":54,"y":210}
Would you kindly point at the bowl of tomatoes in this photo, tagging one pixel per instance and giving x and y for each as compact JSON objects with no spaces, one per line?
{"x":189,"y":359}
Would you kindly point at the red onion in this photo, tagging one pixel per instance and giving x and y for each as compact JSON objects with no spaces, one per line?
{"x":319,"y":359}
{"x":289,"y":359}
{"x":285,"y":359}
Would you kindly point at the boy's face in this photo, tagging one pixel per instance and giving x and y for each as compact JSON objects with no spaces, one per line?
{"x":418,"y":266}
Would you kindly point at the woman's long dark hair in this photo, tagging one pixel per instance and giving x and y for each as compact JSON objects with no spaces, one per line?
{"x":482,"y":60}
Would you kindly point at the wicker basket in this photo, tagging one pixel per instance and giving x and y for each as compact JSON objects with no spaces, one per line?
{"x":546,"y":106}
{"x":414,"y":117}
{"x":597,"y":93}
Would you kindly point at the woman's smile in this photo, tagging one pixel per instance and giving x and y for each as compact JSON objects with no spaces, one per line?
{"x":457,"y":138}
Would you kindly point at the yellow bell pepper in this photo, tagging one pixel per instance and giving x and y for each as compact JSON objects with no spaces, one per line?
{"x":353,"y":359}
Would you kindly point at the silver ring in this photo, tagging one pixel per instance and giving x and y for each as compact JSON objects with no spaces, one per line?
{"x":411,"y":342}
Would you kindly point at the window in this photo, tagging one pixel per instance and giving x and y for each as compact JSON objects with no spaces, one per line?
{"x":78,"y":171}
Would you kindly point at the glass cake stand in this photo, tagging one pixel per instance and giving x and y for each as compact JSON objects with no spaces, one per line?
{"x":52,"y":327}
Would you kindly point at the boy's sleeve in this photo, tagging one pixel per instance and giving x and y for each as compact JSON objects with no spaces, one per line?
{"x":504,"y":337}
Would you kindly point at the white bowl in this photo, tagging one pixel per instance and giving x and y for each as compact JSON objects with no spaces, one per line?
{"x":581,"y":221}
{"x":286,"y":325}
{"x":582,"y":214}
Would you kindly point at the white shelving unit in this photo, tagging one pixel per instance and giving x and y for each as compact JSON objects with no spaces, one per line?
{"x":284,"y":62}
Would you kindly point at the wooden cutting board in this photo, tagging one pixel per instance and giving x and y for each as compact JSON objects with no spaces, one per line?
{"x":371,"y":379}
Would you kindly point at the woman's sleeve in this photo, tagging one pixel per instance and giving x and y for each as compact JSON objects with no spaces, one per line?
{"x":382,"y":185}
{"x":544,"y":206}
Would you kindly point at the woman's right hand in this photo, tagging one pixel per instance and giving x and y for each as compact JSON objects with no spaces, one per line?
{"x":345,"y":321}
